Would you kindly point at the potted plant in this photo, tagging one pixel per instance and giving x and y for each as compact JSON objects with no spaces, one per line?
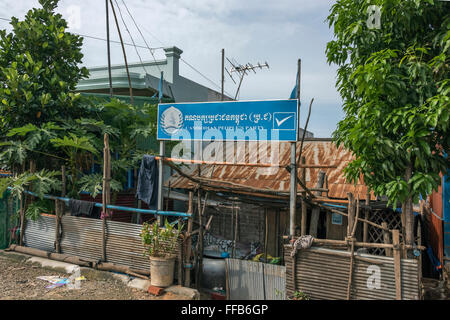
{"x":160,"y":245}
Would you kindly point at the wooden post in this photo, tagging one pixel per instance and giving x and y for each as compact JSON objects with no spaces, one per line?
{"x":59,"y":211}
{"x":187,"y":277}
{"x":350,"y":273}
{"x":316,"y":210}
{"x":22,"y":219}
{"x":105,"y":191}
{"x":123,"y":51}
{"x":419,"y":243}
{"x":236,"y":224}
{"x":408,"y":236}
{"x":293,"y":190}
{"x":200,"y":243}
{"x":387,"y":239}
{"x":351,"y":228}
{"x":304,"y":211}
{"x":397,"y":264}
{"x":366,"y":216}
{"x":25,"y":201}
{"x":351,"y":213}
{"x":162,"y":152}
{"x":57,"y":245}
{"x":266,"y":234}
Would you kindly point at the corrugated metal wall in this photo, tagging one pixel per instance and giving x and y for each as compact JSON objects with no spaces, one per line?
{"x":323,"y":275}
{"x":249,"y":280}
{"x":40,"y":234}
{"x":82,"y":237}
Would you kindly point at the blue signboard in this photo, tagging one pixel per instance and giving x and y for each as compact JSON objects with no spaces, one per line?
{"x":229,"y":121}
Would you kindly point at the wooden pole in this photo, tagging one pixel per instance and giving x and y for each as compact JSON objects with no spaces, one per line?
{"x":351,"y":213}
{"x":293,"y":190}
{"x":366,"y":217}
{"x":236,"y":224}
{"x":397,"y":264}
{"x":293,"y":166}
{"x":266,"y":234}
{"x":386,"y":239}
{"x":304,"y":209}
{"x":187,"y":277}
{"x":123,"y":51}
{"x":162,"y":151}
{"x":60,"y":206}
{"x":22,"y":219}
{"x":315,"y":213}
{"x":408,"y":213}
{"x":200,"y":244}
{"x":105,"y":191}
{"x":350,"y":273}
{"x":351,"y":229}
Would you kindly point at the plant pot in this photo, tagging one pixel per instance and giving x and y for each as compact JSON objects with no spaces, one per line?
{"x":162,"y":271}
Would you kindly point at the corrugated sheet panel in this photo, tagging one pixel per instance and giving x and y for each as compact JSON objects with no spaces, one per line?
{"x":323,"y":275}
{"x":82,"y":237}
{"x":315,"y":152}
{"x":40,"y":234}
{"x":249,"y":280}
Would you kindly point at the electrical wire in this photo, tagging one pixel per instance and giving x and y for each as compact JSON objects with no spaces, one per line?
{"x":139,"y":30}
{"x":102,"y":39}
{"x":142,"y":36}
{"x":146,"y":47}
{"x":131,"y":37}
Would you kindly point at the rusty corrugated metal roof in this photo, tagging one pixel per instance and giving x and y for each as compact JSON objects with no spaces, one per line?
{"x":278,"y":178}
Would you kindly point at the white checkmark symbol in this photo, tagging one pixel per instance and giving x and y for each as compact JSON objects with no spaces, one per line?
{"x":280,"y":122}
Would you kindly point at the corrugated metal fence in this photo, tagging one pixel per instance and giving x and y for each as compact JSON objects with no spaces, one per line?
{"x":248,"y":280}
{"x":82,"y":237}
{"x":323,"y":274}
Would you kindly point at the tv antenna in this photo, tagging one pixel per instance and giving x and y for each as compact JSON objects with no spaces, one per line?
{"x":242,"y":70}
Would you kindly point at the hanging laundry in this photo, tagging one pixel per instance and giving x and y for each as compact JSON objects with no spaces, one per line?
{"x":147,"y":186}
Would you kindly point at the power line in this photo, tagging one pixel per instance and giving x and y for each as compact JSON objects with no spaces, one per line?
{"x":146,"y":47}
{"x":131,"y":37}
{"x":102,"y":39}
{"x":137,"y":27}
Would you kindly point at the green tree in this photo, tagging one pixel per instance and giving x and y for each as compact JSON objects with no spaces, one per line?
{"x":394,"y":81}
{"x":39,"y":69}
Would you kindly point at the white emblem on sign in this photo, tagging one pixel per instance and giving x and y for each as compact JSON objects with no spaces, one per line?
{"x":171,"y":120}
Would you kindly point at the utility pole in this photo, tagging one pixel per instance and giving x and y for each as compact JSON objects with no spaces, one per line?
{"x":108,"y":50}
{"x":123,"y":50}
{"x":293,"y":186}
{"x":223,"y":72}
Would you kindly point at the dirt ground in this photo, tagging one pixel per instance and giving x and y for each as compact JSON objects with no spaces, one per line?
{"x":18,"y":281}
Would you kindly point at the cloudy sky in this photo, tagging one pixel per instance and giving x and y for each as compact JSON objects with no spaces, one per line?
{"x":278,"y":32}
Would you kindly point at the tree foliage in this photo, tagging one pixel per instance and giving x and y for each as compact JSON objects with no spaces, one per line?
{"x":39,"y":68}
{"x":43,"y":119}
{"x":394,"y":82}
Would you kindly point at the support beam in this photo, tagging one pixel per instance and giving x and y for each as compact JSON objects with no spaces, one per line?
{"x":293,"y":190}
{"x":304,"y":209}
{"x":397,"y":264}
{"x":162,"y":152}
{"x":188,"y":263}
{"x":315,"y":213}
{"x":386,"y":239}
